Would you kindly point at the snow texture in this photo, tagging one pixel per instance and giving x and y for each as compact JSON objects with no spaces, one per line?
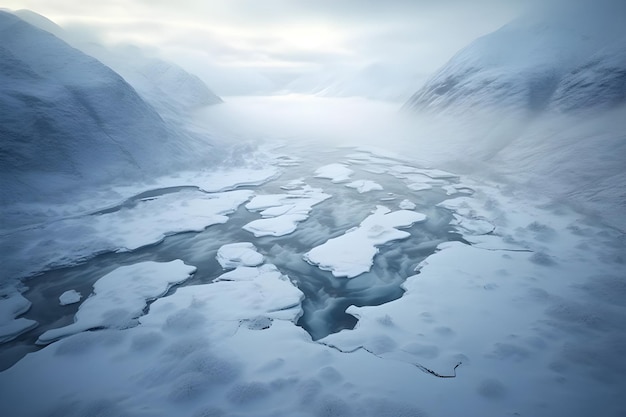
{"x":121,"y":296}
{"x":558,"y":57}
{"x":352,"y":253}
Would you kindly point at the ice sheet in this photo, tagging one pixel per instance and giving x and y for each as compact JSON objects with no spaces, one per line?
{"x":353,"y":253}
{"x":120,"y":297}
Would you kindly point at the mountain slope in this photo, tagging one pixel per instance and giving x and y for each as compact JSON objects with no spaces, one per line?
{"x":165,"y":85}
{"x":534,"y":60}
{"x":66,"y":120}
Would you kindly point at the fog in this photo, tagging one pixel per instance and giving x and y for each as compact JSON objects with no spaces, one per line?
{"x":244,"y":47}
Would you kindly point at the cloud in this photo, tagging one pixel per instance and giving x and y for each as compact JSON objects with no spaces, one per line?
{"x":272,"y":35}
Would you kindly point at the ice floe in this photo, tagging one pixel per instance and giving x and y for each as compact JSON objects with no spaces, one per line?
{"x":126,"y":228}
{"x":12,"y":305}
{"x":239,"y":254}
{"x":120,"y":297}
{"x":364,"y":186}
{"x":407,"y":205}
{"x":282,"y":212}
{"x":352,"y":253}
{"x":69,"y":297}
{"x":335,"y":172}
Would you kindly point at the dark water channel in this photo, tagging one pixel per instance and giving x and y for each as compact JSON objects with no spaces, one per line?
{"x":326,"y":297}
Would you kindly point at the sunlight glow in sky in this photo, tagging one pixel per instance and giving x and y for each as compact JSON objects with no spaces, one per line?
{"x":300,"y":34}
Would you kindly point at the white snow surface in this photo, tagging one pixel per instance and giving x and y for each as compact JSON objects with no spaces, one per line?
{"x":120,"y":297}
{"x":352,"y":253}
{"x":282,"y":212}
{"x":334,"y":172}
{"x":234,"y":255}
{"x":69,"y":297}
{"x":146,"y":222}
{"x":12,"y":305}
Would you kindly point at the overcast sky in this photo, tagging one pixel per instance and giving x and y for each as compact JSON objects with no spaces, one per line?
{"x":287,"y":36}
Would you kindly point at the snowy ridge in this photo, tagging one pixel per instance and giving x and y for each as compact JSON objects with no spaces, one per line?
{"x":166,"y":86}
{"x":67,"y":120}
{"x":532,"y":63}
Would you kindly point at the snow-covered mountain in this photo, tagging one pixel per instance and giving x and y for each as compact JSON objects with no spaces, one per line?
{"x":542,"y":101}
{"x":67,"y":120}
{"x":569,"y":55}
{"x":165,"y":85}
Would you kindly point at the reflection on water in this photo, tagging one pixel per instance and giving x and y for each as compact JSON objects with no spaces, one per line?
{"x":326,"y":297}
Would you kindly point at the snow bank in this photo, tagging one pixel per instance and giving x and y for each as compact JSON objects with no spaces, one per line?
{"x":353,"y":253}
{"x":121,"y":296}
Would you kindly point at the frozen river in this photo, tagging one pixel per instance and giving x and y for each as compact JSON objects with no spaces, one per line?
{"x":322,"y":281}
{"x":326,"y":297}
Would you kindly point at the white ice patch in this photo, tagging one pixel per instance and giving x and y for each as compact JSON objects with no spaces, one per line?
{"x":407,"y":205}
{"x":212,"y":181}
{"x":153,"y":219}
{"x":148,"y":222}
{"x":353,"y":253}
{"x":12,"y":305}
{"x":282,"y":212}
{"x":241,"y":294}
{"x":364,"y":186}
{"x":335,"y":172}
{"x":120,"y":297}
{"x":69,"y":297}
{"x":234,"y":255}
